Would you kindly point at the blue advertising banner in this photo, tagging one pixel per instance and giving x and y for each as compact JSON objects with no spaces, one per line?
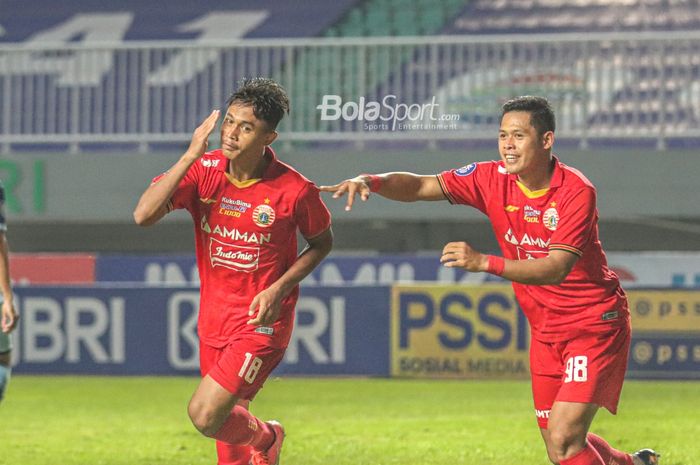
{"x":407,"y":331}
{"x":635,"y":270}
{"x":149,"y":270}
{"x":664,"y":356}
{"x":138,"y":331}
{"x":362,"y":270}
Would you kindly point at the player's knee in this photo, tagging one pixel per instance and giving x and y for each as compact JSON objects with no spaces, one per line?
{"x":204,"y":419}
{"x":563,"y":444}
{"x":552,"y":457}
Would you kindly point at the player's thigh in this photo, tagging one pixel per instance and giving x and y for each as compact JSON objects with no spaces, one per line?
{"x":245,"y":365}
{"x":594,"y":368}
{"x":211,"y":401}
{"x":208,"y":357}
{"x":546,"y":375}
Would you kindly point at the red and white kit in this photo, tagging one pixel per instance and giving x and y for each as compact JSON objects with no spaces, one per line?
{"x":588,"y":303}
{"x":245,"y":237}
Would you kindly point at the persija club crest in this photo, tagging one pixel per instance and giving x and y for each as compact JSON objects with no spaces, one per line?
{"x":263,"y":215}
{"x":550,"y":219}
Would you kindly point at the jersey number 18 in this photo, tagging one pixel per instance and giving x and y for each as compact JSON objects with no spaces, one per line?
{"x":249,"y":369}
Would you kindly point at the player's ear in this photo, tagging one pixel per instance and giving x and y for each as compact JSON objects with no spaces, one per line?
{"x":548,"y":140}
{"x":270,"y":137}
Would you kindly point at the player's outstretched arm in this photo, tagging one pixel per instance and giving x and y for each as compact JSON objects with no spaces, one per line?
{"x":551,"y":269}
{"x":152,"y":205}
{"x":401,"y":186}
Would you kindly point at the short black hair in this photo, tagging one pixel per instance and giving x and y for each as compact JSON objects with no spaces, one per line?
{"x":541,"y":113}
{"x":268,"y":99}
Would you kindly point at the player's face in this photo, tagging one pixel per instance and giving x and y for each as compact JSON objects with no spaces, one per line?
{"x":522,"y":149}
{"x":243,"y":134}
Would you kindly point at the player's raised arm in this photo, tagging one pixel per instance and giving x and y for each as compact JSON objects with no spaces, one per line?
{"x":401,"y":186}
{"x":152,"y":205}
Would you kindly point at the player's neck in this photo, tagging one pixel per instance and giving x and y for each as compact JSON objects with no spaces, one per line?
{"x":538,"y":178}
{"x":247,"y":167}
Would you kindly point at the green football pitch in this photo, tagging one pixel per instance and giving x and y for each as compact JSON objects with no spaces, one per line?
{"x":69,"y":420}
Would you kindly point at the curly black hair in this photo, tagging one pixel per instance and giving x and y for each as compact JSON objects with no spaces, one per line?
{"x":268,"y":99}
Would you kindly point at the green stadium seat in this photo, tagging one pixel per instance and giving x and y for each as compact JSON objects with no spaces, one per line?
{"x":351,"y":30}
{"x":370,"y":18}
{"x":402,"y":4}
{"x":406,"y":22}
{"x":431,"y":21}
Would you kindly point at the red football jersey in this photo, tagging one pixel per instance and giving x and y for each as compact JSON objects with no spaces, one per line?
{"x":528,"y":224}
{"x":245,"y":238}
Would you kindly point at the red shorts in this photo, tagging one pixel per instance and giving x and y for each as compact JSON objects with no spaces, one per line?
{"x":242,"y":366}
{"x":588,"y":369}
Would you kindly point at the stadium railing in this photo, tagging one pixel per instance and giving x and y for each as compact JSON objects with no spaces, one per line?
{"x":608,"y":85}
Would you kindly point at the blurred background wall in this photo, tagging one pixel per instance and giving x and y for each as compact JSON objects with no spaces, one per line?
{"x":97,"y":98}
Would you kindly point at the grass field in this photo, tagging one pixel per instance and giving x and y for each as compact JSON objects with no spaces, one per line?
{"x":142,"y":421}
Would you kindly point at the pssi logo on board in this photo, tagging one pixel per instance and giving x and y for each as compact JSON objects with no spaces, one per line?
{"x":458,"y":332}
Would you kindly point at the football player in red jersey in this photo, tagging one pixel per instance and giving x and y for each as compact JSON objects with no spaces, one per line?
{"x":247,"y":207}
{"x":545,"y":219}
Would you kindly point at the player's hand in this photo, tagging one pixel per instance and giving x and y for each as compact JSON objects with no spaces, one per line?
{"x":10,"y":318}
{"x":200,"y":137}
{"x":265,"y":307}
{"x":461,"y":255}
{"x":358,"y":185}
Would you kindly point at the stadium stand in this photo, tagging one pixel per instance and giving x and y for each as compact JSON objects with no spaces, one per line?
{"x":149,"y":21}
{"x":628,"y":87}
{"x":586,"y":16}
{"x":396,"y":18}
{"x":370,"y":18}
{"x":650,"y":93}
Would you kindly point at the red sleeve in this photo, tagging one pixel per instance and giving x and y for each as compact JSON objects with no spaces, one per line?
{"x":574,"y":222}
{"x":310,"y":213}
{"x":186,"y":190}
{"x":466,"y":185}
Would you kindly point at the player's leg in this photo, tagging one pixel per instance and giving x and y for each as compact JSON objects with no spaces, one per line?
{"x":546,"y":374}
{"x":230,"y":454}
{"x":616,"y":457}
{"x":238,"y":374}
{"x":214,"y":413}
{"x":563,"y":429}
{"x":227,"y":454}
{"x":566,"y":434}
{"x":594,"y":370}
{"x":593,"y":449}
{"x":5,"y":369}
